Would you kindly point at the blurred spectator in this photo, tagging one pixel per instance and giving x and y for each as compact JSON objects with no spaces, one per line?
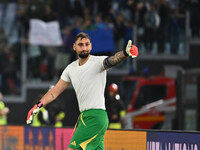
{"x":174,"y":31}
{"x":103,"y":7}
{"x":88,"y":24}
{"x":194,"y":7}
{"x":3,"y":37}
{"x":86,"y":13}
{"x":47,"y":65}
{"x":65,"y":54}
{"x":3,"y":43}
{"x":114,"y":106}
{"x":34,"y":54}
{"x":43,"y":69}
{"x":16,"y":49}
{"x":21,"y":20}
{"x":3,"y":111}
{"x":56,"y":113}
{"x":99,"y":23}
{"x":10,"y":70}
{"x":48,"y":14}
{"x":108,"y":22}
{"x":140,"y":21}
{"x":78,"y":8}
{"x":68,"y":39}
{"x":39,"y":59}
{"x":3,"y":8}
{"x":41,"y":118}
{"x":163,"y":12}
{"x":78,"y":25}
{"x":47,"y":2}
{"x":8,"y":65}
{"x":62,"y":10}
{"x":119,"y":31}
{"x":34,"y":10}
{"x":90,"y":4}
{"x":130,"y":10}
{"x":152,"y":21}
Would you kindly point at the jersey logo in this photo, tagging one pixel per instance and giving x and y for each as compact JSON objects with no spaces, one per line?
{"x":73,"y":143}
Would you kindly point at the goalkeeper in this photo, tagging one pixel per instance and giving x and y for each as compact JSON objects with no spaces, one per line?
{"x":88,"y":76}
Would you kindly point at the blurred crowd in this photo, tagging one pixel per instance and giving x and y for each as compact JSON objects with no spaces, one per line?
{"x":3,"y":111}
{"x":159,"y":26}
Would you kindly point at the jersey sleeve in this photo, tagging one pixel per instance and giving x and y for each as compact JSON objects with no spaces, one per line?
{"x":101,"y":60}
{"x":65,"y":75}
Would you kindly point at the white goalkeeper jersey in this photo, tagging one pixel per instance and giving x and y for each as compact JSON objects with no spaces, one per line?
{"x":89,"y":82}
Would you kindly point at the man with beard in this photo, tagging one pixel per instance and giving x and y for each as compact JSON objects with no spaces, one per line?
{"x":88,"y":76}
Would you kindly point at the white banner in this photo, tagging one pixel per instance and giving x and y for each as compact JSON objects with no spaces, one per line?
{"x":46,"y":34}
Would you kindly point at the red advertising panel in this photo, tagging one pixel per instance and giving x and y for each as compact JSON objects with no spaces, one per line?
{"x":11,"y":137}
{"x":63,"y":138}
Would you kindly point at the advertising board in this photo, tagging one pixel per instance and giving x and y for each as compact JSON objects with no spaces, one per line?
{"x":125,"y":140}
{"x":63,"y":137}
{"x":173,"y":141}
{"x":11,"y":137}
{"x":39,"y":138}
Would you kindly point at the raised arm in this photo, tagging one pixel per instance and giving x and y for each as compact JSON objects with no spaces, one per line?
{"x":114,"y":60}
{"x":131,"y":50}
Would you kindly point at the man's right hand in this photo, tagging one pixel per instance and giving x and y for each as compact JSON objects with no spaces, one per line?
{"x":33,"y":112}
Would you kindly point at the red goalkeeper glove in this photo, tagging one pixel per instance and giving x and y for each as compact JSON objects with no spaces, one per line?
{"x":131,"y":50}
{"x":33,"y":112}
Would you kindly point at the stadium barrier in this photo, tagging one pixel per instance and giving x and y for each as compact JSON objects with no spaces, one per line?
{"x":49,"y":138}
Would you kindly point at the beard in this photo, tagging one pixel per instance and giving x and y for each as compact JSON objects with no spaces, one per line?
{"x":82,"y":55}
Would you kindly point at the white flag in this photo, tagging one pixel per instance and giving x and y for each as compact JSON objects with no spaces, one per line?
{"x":46,"y":34}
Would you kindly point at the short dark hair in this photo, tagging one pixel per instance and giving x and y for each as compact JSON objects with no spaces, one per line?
{"x":82,"y":35}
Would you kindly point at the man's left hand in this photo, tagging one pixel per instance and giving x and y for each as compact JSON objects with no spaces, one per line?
{"x":131,"y":50}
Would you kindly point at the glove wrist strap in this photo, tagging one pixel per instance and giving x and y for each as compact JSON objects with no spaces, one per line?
{"x":125,"y":53}
{"x":39,"y":104}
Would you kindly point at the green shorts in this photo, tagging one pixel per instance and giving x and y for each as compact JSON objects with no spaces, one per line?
{"x":90,"y":131}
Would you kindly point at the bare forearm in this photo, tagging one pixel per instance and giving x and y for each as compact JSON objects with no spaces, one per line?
{"x":115,"y":59}
{"x":48,"y":98}
{"x":54,"y":92}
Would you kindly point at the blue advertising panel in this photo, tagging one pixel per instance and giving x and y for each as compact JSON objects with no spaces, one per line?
{"x":173,"y":141}
{"x":39,"y":138}
{"x":102,"y":40}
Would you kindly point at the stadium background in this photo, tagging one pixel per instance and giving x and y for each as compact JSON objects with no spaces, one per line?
{"x":27,"y":70}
